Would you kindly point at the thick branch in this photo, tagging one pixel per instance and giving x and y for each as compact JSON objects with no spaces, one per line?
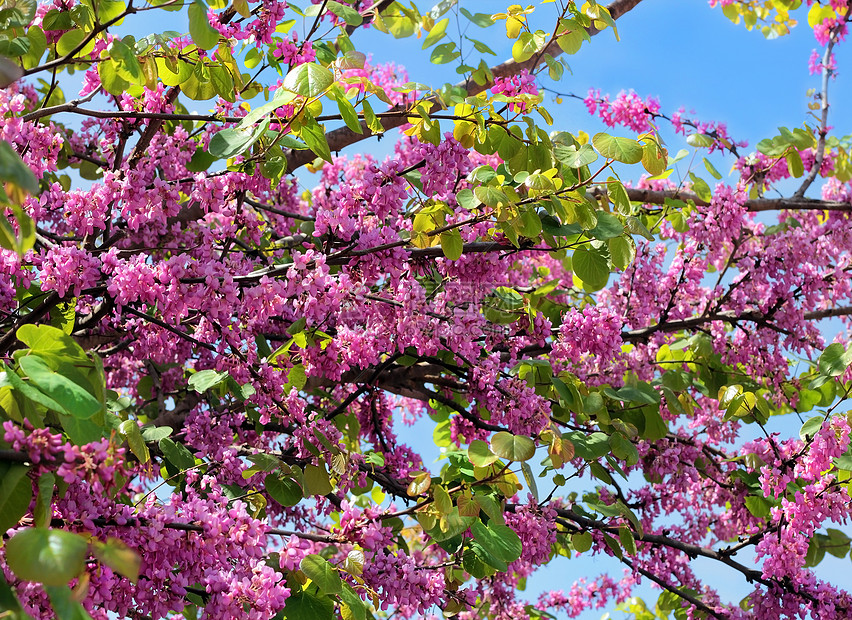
{"x":655,"y":197}
{"x":192,"y":527}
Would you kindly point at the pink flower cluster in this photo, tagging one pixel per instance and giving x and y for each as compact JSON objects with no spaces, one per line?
{"x":385,"y":77}
{"x":289,"y":52}
{"x":69,"y":268}
{"x":522,"y":83}
{"x":536,"y":527}
{"x":402,"y":583}
{"x":594,"y":330}
{"x":585,"y":594}
{"x":815,"y":64}
{"x":261,"y":26}
{"x":627,"y":109}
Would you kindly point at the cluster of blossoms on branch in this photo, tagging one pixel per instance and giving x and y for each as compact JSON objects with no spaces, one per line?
{"x":207,"y":358}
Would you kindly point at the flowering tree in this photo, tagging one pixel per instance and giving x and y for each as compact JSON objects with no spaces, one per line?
{"x":205,"y":366}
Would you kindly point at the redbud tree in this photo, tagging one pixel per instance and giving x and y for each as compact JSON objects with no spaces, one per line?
{"x":216,"y":315}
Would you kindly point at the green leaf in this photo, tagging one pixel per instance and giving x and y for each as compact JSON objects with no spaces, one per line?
{"x":306,"y":606}
{"x":295,"y":378}
{"x":654,"y":158}
{"x":574,"y":157}
{"x":22,"y":241}
{"x":52,"y":340}
{"x":810,"y":427}
{"x":480,"y":454}
{"x":51,"y":557}
{"x":13,"y":168}
{"x":222,"y":81}
{"x":373,"y":122}
{"x":444,"y":53}
{"x":173,"y":72}
{"x":17,"y":13}
{"x":555,"y":69}
{"x":699,"y":140}
{"x":420,"y":484}
{"x":108,"y":10}
{"x":344,"y":12}
{"x":834,"y":360}
{"x":625,"y":150}
{"x":309,"y":80}
{"x":353,"y":603}
{"x":314,"y":136}
{"x":625,"y":536}
{"x":481,"y":47}
{"x":794,"y":163}
{"x":156,"y":433}
{"x":69,"y":41}
{"x":75,"y":399}
{"x":203,"y":34}
{"x":512,"y":447}
{"x":483,"y":20}
{"x":700,"y":187}
{"x":348,"y":113}
{"x":530,"y":480}
{"x":712,"y":169}
{"x":634,"y":226}
{"x":573,"y":38}
{"x":623,"y":448}
{"x":112,"y":82}
{"x":622,"y":250}
{"x":119,"y":557}
{"x":126,"y":62}
{"x":42,"y":512}
{"x":758,"y":506}
{"x":589,"y":447}
{"x":317,"y":481}
{"x":655,"y":426}
{"x":176,"y":453}
{"x":15,"y":47}
{"x":133,"y":435}
{"x":455,"y":526}
{"x":582,"y":541}
{"x":499,"y":540}
{"x":81,"y":431}
{"x":323,"y":574}
{"x":16,"y":493}
{"x":590,"y":267}
{"x":283,"y":490}
{"x":437,"y":33}
{"x":452,"y":244}
{"x":528,"y":45}
{"x":490,"y":196}
{"x":442,"y":501}
{"x":65,"y":604}
{"x":232,"y":141}
{"x":203,"y":380}
{"x":467,"y":199}
{"x":608,"y":225}
{"x":63,"y":316}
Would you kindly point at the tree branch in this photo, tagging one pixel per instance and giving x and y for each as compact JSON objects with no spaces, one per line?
{"x":757,"y":205}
